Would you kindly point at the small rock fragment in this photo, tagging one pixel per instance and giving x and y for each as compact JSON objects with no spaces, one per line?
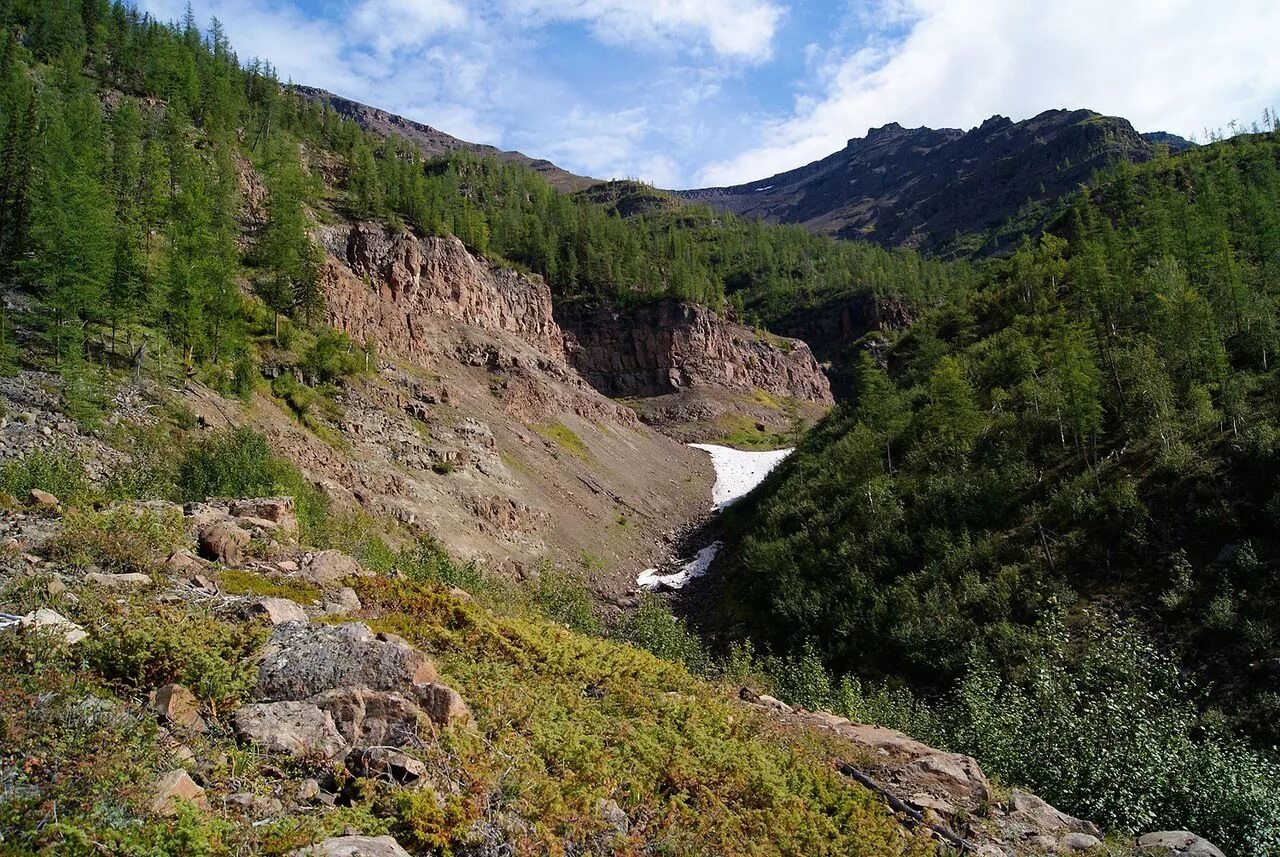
{"x":44,"y":499}
{"x":174,"y":786}
{"x":276,"y":611}
{"x":308,"y":791}
{"x":55,"y":621}
{"x":343,"y":601}
{"x":614,"y":816}
{"x":385,"y":763}
{"x":294,"y":728}
{"x":176,"y":705}
{"x":354,"y":846}
{"x":1177,"y":842}
{"x":1078,"y":842}
{"x":329,"y":568}
{"x":131,"y":580}
{"x":443,"y":704}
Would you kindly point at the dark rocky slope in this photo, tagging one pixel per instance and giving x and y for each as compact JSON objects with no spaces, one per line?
{"x":433,"y":141}
{"x":922,"y":188}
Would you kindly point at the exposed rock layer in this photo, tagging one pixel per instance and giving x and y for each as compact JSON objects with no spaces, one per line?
{"x":663,"y":347}
{"x":407,"y":278}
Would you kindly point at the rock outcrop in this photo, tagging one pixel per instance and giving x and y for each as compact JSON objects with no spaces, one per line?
{"x":330,"y":690}
{"x":354,"y":846}
{"x":953,"y":788}
{"x":663,"y":347}
{"x":401,"y":277}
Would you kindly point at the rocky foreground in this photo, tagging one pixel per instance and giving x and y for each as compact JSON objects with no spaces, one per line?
{"x":330,"y":705}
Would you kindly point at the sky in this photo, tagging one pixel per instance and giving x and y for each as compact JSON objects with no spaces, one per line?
{"x":696,"y":93}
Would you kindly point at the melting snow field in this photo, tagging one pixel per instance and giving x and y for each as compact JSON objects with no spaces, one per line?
{"x":651,"y":579}
{"x":738,"y":472}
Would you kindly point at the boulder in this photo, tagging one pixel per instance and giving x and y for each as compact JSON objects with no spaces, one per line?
{"x":443,"y":704}
{"x":369,"y":717}
{"x":1041,"y":816}
{"x":385,"y":763}
{"x":301,"y":661}
{"x":175,"y":786}
{"x":1078,"y":842}
{"x":54,"y":621}
{"x":1178,"y":842}
{"x":329,"y":568}
{"x":223,"y":541}
{"x":131,"y":580}
{"x":276,"y":511}
{"x":354,"y":846}
{"x":174,"y":704}
{"x":183,"y":563}
{"x":342,"y":601}
{"x":276,"y":611}
{"x":297,"y":729}
{"x":952,"y":775}
{"x":44,"y":500}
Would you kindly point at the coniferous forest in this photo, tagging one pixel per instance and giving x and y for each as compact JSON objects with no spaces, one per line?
{"x":1042,"y":530}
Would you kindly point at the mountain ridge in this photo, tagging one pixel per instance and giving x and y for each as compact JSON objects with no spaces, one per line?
{"x":924,"y":188}
{"x":432,"y":141}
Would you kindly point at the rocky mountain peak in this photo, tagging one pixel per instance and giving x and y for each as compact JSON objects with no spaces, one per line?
{"x":942,"y":189}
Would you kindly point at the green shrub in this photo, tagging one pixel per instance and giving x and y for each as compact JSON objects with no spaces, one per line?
{"x":656,"y":629}
{"x":142,"y":652}
{"x":121,"y":538}
{"x":239,"y":463}
{"x":428,"y":561}
{"x":563,"y":597}
{"x":332,"y":357}
{"x":1103,"y":728}
{"x":58,"y":472}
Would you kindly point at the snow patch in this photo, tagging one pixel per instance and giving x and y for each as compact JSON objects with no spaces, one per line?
{"x":738,"y":472}
{"x":651,"y":579}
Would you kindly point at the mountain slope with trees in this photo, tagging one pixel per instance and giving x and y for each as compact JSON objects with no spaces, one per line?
{"x":1044,"y":487}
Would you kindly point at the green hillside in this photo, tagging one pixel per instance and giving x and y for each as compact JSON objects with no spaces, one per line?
{"x":1082,"y":448}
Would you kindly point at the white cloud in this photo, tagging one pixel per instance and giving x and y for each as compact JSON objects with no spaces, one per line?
{"x":739,"y":29}
{"x":1177,"y":65}
{"x":391,"y":25}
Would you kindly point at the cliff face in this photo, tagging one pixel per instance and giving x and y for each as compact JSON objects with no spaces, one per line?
{"x":832,"y":329}
{"x":410,"y":278}
{"x":668,"y":346}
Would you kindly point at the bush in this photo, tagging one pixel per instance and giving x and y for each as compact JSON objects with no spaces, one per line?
{"x":59,"y":473}
{"x":330,"y":358}
{"x":1104,"y":728}
{"x":211,"y":658}
{"x":119,"y":539}
{"x":654,"y":628}
{"x":563,"y":597}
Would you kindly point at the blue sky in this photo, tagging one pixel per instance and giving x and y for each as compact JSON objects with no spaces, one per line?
{"x":689,"y":93}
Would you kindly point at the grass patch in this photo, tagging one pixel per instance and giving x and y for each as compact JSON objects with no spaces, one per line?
{"x":567,"y":720}
{"x":765,"y":398}
{"x":565,"y":438}
{"x":236,"y":581}
{"x":58,"y":472}
{"x":741,"y":432}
